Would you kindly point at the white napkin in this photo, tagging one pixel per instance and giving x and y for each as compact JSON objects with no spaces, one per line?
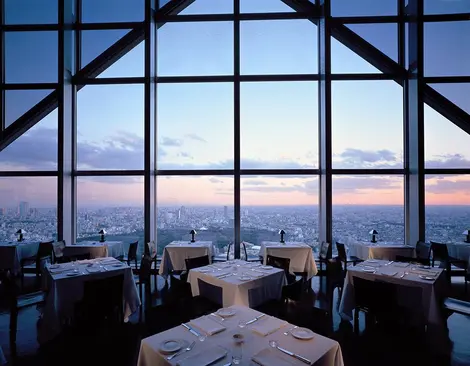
{"x":207,"y":325}
{"x":204,"y":358}
{"x":266,"y":357}
{"x":267,"y":325}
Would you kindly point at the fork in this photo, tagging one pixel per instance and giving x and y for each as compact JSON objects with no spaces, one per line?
{"x":189,"y":348}
{"x":290,"y":330}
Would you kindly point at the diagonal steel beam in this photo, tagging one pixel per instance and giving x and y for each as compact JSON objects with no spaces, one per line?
{"x":102,"y":62}
{"x":384,"y":64}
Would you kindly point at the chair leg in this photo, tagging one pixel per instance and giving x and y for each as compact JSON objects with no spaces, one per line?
{"x":13,"y":325}
{"x":356,"y":321}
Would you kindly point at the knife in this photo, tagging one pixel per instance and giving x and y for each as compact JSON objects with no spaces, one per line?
{"x":292,"y":354}
{"x":255,"y":319}
{"x":190,"y":329}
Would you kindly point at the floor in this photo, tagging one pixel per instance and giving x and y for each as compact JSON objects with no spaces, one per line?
{"x":121,"y":346}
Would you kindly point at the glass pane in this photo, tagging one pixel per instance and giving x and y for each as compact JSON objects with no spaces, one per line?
{"x":31,"y":57}
{"x":446,"y":7}
{"x":203,"y":203}
{"x":264,"y":6}
{"x":345,"y":61}
{"x":29,"y":204}
{"x":279,"y":125}
{"x":31,"y":11}
{"x":201,"y":48}
{"x":447,"y":213}
{"x":271,"y":203}
{"x":112,"y":11}
{"x":95,"y":42}
{"x":209,"y":7}
{"x":446,"y":50}
{"x":348,"y":8}
{"x":110,"y":127}
{"x":195,"y":126}
{"x":367,"y":124}
{"x":363,"y":203}
{"x":132,"y":64}
{"x":458,"y":93}
{"x":274,"y":47}
{"x":115,"y":204}
{"x":453,"y":151}
{"x":35,"y":150}
{"x":18,"y":102}
{"x":382,"y":36}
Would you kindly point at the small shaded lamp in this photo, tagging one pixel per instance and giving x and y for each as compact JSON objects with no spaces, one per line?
{"x":373,"y":233}
{"x":102,"y":233}
{"x":282,"y":233}
{"x":467,"y":232}
{"x":20,"y":233}
{"x":193,"y":235}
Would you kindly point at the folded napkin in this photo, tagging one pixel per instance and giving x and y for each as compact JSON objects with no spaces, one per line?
{"x":267,"y":325}
{"x":371,"y":264}
{"x":220,"y":274}
{"x":401,"y":264}
{"x":60,"y":269}
{"x":424,"y":272}
{"x":204,"y":358}
{"x":387,"y":273}
{"x":108,"y":259}
{"x":267,"y":357}
{"x":207,"y":325}
{"x":93,"y":269}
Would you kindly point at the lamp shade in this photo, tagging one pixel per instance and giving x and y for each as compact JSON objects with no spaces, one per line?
{"x":373,"y":232}
{"x":466,"y":232}
{"x":281,"y":232}
{"x":193,"y":232}
{"x":102,"y":232}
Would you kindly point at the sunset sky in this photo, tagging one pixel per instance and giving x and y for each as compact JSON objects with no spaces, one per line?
{"x":279,"y":120}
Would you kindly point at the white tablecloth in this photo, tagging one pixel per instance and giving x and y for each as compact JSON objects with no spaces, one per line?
{"x":96,"y":249}
{"x":300,"y":255}
{"x":176,"y":252}
{"x":459,"y":251}
{"x":237,"y":292}
{"x":64,"y":292}
{"x":11,"y":254}
{"x":431,"y":290}
{"x":380,"y":250}
{"x":320,"y":350}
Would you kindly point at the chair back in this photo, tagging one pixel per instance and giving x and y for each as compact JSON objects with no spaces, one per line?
{"x":278,"y":262}
{"x":243,"y":246}
{"x":151,"y":249}
{"x":423,"y":250}
{"x":197,"y":262}
{"x":230,"y":245}
{"x":326,"y":251}
{"x":375,"y":296}
{"x":210,"y":292}
{"x":341,"y":251}
{"x":423,"y":261}
{"x":439,"y":252}
{"x":243,"y":252}
{"x":58,"y":247}
{"x":145,"y":268}
{"x":45,"y":249}
{"x":11,"y":290}
{"x":334,"y":271}
{"x":132,"y":252}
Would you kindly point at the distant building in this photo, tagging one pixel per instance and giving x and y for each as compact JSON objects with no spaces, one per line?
{"x":225,"y":212}
{"x":23,"y":208}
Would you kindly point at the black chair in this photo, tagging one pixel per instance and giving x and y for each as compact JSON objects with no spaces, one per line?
{"x":335,"y":275}
{"x":143,"y":279}
{"x":281,"y":263}
{"x":16,"y":302}
{"x":44,"y":253}
{"x":326,"y":252}
{"x":343,"y":256}
{"x":453,"y":266}
{"x":72,"y":258}
{"x":102,"y":303}
{"x":243,"y":252}
{"x":423,"y":261}
{"x":423,"y":250}
{"x":196,"y":262}
{"x":58,"y":250}
{"x":151,"y":250}
{"x":456,"y":306}
{"x":210,"y":299}
{"x":131,"y":254}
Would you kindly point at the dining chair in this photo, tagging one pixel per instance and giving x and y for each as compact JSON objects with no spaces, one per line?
{"x":43,"y":254}
{"x":210,"y":299}
{"x":452,"y":266}
{"x":417,"y":260}
{"x":423,"y":250}
{"x":72,"y":258}
{"x":143,"y":278}
{"x":58,"y":250}
{"x":197,"y":262}
{"x":344,"y":257}
{"x":131,"y":254}
{"x":281,"y":263}
{"x":325,"y":253}
{"x":151,"y":250}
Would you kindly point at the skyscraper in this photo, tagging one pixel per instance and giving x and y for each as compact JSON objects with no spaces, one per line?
{"x":226,"y":212}
{"x":23,"y":208}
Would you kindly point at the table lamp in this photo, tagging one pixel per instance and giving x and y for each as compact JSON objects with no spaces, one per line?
{"x":20,"y":233}
{"x":467,"y":232}
{"x":102,"y":233}
{"x":373,"y":233}
{"x":282,"y":233}
{"x":193,"y":235}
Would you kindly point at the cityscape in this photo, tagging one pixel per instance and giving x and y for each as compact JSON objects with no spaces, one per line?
{"x":351,"y":223}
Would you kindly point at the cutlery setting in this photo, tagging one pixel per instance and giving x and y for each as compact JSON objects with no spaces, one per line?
{"x":275,"y":345}
{"x":287,"y":332}
{"x":254,"y":320}
{"x":187,"y":349}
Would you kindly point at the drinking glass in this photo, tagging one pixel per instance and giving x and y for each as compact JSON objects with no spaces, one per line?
{"x":237,"y":354}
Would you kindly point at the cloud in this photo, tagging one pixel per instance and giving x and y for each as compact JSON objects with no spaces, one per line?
{"x":446,"y":186}
{"x":215,"y":180}
{"x":309,"y":187}
{"x":229,"y":164}
{"x":455,"y":161}
{"x":193,"y":136}
{"x":356,"y":184}
{"x":185,"y":155}
{"x":357,"y":158}
{"x":254,"y":182}
{"x":168,"y":141}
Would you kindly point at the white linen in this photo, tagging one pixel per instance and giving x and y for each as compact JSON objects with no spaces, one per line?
{"x":235,"y":291}
{"x":64,"y":292}
{"x":300,"y":255}
{"x":459,"y":251}
{"x":176,"y":252}
{"x":381,"y":250}
{"x":431,"y":290}
{"x":11,"y":254}
{"x":95,"y":249}
{"x":320,"y":350}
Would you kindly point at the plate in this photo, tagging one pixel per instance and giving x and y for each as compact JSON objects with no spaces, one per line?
{"x":245,"y":278}
{"x":71,"y":274}
{"x":55,"y":266}
{"x":424,"y":267}
{"x":170,"y":346}
{"x":372,"y":261}
{"x":117,"y":265}
{"x":368,"y":270}
{"x":225,"y":312}
{"x":204,"y":270}
{"x":266,"y":267}
{"x":302,"y":333}
{"x":427,"y":278}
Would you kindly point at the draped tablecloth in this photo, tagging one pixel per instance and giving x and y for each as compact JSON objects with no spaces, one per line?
{"x":320,"y":350}
{"x":95,"y":249}
{"x":381,"y":250}
{"x":300,"y":255}
{"x":176,"y":252}
{"x":11,"y":254}
{"x":251,"y":293}
{"x":64,"y":292}
{"x":432,"y":291}
{"x":459,"y":251}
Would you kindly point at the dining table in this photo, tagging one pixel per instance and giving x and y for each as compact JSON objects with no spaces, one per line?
{"x":240,"y":334}
{"x":175,"y":253}
{"x":300,"y":255}
{"x":12,"y":252}
{"x":64,"y":287}
{"x":380,"y":250}
{"x":243,"y":283}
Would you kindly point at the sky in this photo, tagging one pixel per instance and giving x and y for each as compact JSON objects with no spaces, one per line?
{"x":279,"y":120}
